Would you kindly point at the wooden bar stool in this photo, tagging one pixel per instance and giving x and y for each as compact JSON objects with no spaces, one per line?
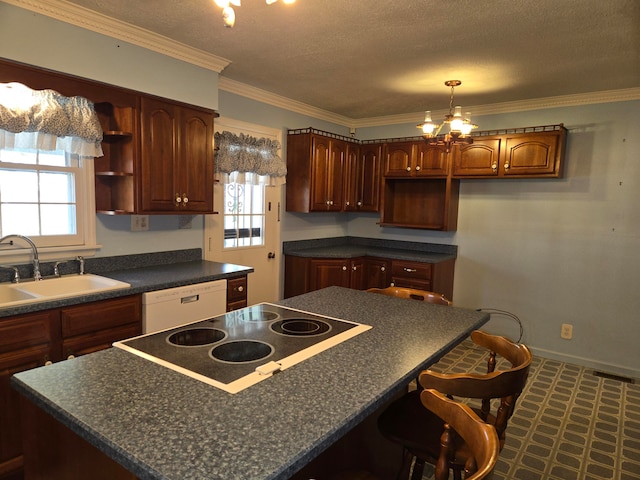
{"x":414,"y":294}
{"x":418,"y":430}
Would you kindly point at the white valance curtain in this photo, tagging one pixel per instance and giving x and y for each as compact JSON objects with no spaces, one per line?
{"x":46,"y":120}
{"x":246,"y":159}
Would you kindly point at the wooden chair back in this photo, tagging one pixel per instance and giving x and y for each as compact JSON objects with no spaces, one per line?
{"x":414,"y":294}
{"x":506,"y":385}
{"x":460,"y":420}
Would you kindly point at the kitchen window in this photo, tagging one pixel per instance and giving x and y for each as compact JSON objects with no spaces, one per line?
{"x":47,"y":145}
{"x":47,"y":196}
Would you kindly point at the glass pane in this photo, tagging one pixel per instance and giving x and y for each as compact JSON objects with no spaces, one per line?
{"x":58,"y":219}
{"x":28,"y":157}
{"x":19,"y":185}
{"x":57,"y":188}
{"x":57,"y":158}
{"x":20,"y":218}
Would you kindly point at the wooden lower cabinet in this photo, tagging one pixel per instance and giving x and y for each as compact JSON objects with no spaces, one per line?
{"x":32,"y":340}
{"x":53,"y":452}
{"x":377,"y":273}
{"x":306,"y":274}
{"x":236,"y":293}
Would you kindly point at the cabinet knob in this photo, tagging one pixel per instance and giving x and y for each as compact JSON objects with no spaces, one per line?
{"x":347,"y":204}
{"x":185,"y":199}
{"x":408,"y":169}
{"x":178,"y":199}
{"x":344,"y":267}
{"x":240,"y":289}
{"x":417,"y":168}
{"x":494,"y":167}
{"x":360,"y":203}
{"x":71,"y":357}
{"x":506,"y":166}
{"x":354,"y":268}
{"x":383,"y":269}
{"x":48,"y":362}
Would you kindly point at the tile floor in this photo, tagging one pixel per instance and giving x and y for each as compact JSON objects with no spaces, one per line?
{"x":569,"y":424}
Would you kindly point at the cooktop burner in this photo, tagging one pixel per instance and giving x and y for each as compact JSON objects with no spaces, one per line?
{"x":238,"y":349}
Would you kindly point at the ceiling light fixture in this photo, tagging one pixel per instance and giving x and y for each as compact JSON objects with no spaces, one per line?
{"x":459,"y":127}
{"x":229,"y":14}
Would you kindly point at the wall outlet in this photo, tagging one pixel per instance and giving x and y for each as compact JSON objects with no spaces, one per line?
{"x":566,"y":331}
{"x":139,"y":223}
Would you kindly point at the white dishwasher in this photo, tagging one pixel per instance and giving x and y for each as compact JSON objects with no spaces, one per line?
{"x":173,"y":307}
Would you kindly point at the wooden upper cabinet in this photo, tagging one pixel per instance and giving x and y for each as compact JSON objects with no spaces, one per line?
{"x":327,"y":165}
{"x":415,"y":159}
{"x":362,"y":178}
{"x":535,"y":152}
{"x":399,"y":159}
{"x":176,"y":168}
{"x":478,"y":159}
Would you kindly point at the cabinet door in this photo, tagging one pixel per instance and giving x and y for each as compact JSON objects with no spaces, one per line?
{"x":159,"y":149}
{"x":236,"y":293}
{"x":431,"y":161}
{"x":320,"y":171}
{"x":377,"y":273}
{"x":25,"y":343}
{"x":369,"y":180}
{"x":329,"y":272}
{"x":399,"y":159}
{"x":478,"y":159}
{"x":352,"y":178}
{"x":195,"y":161}
{"x":358,"y":273}
{"x":531,"y":155}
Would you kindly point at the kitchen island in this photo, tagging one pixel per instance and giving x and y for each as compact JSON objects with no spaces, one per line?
{"x":161,"y":424}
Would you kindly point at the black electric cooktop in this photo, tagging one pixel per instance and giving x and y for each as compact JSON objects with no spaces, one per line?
{"x":238,"y":349}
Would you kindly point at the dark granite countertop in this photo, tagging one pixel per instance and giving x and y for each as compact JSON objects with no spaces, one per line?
{"x":161,"y":424}
{"x":352,"y":247}
{"x":144,"y":273}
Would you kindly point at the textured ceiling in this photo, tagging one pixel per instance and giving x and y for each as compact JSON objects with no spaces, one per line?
{"x":370,"y":58}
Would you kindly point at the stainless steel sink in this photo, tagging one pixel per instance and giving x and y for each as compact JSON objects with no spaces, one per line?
{"x":13,"y":294}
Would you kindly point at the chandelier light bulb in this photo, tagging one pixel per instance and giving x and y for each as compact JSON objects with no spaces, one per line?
{"x":467,"y":126}
{"x":269,"y":2}
{"x":228,"y":17}
{"x":428,"y":126}
{"x":288,"y":2}
{"x":221,"y":3}
{"x":457,"y":121}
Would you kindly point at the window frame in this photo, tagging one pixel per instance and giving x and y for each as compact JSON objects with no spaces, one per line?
{"x":85,"y":224}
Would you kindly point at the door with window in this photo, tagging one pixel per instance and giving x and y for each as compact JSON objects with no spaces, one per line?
{"x":246,"y":230}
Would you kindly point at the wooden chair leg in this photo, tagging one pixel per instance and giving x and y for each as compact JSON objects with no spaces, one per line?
{"x":418,"y":469}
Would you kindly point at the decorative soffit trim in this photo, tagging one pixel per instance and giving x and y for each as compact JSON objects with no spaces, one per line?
{"x":96,"y":22}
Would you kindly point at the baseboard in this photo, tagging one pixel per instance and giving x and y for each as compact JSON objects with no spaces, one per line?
{"x":587,"y":363}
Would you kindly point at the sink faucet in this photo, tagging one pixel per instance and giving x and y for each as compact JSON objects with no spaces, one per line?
{"x":34,"y":252}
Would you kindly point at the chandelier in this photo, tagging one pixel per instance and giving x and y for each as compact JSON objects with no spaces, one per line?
{"x":459,"y":127}
{"x":229,"y":14}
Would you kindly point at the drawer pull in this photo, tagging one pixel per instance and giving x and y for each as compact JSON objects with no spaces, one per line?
{"x":410,"y":270}
{"x":190,"y":299}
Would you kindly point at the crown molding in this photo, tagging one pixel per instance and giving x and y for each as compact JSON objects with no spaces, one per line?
{"x":606,"y":96}
{"x":263,"y":96}
{"x":96,"y":22}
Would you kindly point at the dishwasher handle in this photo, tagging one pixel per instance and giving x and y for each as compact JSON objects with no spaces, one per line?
{"x":190,"y":299}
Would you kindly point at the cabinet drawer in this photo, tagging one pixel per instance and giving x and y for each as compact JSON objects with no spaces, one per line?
{"x":413,"y":270}
{"x":82,"y":319}
{"x":236,"y":289}
{"x":98,"y":340}
{"x":25,"y":331}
